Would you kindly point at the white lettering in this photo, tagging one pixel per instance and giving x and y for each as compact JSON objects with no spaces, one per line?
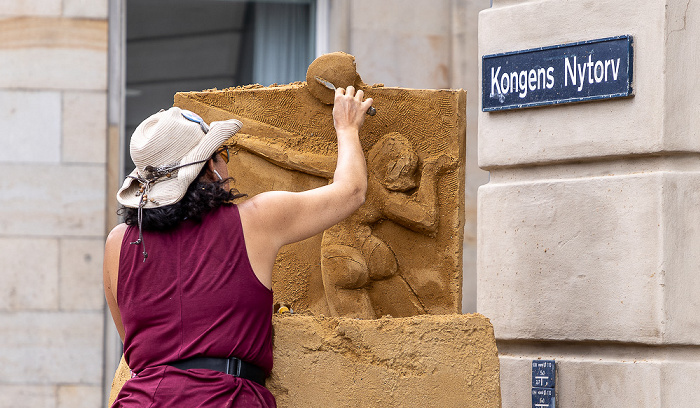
{"x":569,"y":71}
{"x":582,"y":74}
{"x":578,"y":73}
{"x":494,"y":81}
{"x":522,"y":80}
{"x":541,"y":73}
{"x":598,"y":63}
{"x":595,"y":71}
{"x":505,"y":88}
{"x":615,"y":69}
{"x":532,"y":79}
{"x":514,"y":82}
{"x":550,"y":78}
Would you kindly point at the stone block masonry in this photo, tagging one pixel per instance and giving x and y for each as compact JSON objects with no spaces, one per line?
{"x":53,"y":99}
{"x":587,"y":230}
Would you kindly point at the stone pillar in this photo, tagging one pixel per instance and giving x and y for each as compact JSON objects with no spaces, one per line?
{"x":53,"y":109}
{"x":588,"y":229}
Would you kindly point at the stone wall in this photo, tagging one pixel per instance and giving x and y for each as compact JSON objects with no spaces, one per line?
{"x":53,"y":132}
{"x":588,"y":228}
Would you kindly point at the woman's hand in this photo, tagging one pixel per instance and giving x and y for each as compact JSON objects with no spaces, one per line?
{"x":349,"y":109}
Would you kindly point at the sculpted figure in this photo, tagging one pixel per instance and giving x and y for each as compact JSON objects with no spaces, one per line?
{"x":352,"y":257}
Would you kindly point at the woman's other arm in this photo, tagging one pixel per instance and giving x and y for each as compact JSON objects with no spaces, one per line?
{"x":110,"y":274}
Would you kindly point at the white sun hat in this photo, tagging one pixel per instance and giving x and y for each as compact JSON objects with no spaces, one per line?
{"x":169,"y":150}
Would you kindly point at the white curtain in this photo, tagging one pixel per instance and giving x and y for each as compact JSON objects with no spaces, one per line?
{"x":282,"y":50}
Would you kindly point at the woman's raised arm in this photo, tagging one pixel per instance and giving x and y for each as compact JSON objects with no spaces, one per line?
{"x":273,"y":219}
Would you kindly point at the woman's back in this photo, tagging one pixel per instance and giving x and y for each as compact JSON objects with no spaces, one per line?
{"x":195,"y":296}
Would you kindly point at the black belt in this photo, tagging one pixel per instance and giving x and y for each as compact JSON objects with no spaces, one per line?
{"x":232,"y":366}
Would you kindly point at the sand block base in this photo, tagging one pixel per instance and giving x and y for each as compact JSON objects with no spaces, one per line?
{"x":420,"y":361}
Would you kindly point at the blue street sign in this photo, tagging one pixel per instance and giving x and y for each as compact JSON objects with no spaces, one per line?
{"x":566,"y":73}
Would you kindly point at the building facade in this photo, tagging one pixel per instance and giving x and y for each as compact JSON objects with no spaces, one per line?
{"x":64,"y":101}
{"x":586,"y":228}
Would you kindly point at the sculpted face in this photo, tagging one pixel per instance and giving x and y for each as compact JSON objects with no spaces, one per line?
{"x":394,"y":163}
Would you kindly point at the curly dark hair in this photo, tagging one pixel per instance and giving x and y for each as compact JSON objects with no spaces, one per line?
{"x":201,"y":198}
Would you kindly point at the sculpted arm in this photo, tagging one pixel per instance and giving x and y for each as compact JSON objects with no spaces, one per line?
{"x":309,"y":163}
{"x":419,"y":212}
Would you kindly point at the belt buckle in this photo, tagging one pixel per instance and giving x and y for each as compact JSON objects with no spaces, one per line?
{"x":233,"y":366}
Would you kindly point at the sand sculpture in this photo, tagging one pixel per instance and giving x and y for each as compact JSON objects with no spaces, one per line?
{"x":396,"y":263}
{"x":401,"y":253}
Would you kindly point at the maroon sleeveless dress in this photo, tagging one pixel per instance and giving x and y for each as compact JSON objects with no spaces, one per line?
{"x":196,"y":295}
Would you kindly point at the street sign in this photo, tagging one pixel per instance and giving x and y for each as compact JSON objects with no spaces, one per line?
{"x":566,"y":73}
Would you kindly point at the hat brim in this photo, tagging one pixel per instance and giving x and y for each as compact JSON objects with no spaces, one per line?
{"x":168,"y":191}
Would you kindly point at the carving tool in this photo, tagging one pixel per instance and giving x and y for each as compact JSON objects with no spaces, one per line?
{"x":371,"y":111}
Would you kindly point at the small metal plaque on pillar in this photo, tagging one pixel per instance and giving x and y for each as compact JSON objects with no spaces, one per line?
{"x":543,"y":373}
{"x":543,"y":382}
{"x":566,"y":73}
{"x":543,"y":398}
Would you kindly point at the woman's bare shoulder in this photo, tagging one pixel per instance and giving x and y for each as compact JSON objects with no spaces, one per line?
{"x":116,"y":235}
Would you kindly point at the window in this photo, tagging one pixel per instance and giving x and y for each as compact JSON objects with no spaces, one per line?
{"x":191,"y":45}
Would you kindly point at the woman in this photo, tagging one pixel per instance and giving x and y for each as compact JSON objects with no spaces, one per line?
{"x":188,"y":277}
